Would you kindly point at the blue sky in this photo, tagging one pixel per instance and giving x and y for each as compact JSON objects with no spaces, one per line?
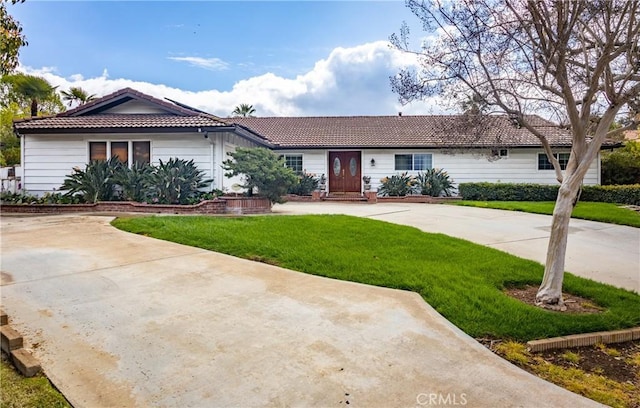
{"x":286,"y":58}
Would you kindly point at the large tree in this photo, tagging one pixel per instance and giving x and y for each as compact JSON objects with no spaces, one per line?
{"x":77,"y":95}
{"x":571,"y":61}
{"x":33,"y":90}
{"x":11,"y":39}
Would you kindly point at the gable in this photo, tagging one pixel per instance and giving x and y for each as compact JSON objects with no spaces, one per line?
{"x":135,"y":107}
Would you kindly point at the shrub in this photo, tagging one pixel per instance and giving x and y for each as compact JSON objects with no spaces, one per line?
{"x":305,"y":185}
{"x":263,"y":170}
{"x":622,"y":166}
{"x":175,"y":181}
{"x":8,"y":197}
{"x":96,"y":182}
{"x":612,"y":194}
{"x":397,"y":185}
{"x":508,"y":191}
{"x":542,"y":192}
{"x":434,"y":183}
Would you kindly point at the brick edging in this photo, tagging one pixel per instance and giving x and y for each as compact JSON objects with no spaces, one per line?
{"x":224,"y":205}
{"x":12,"y":344}
{"x":585,"y":339}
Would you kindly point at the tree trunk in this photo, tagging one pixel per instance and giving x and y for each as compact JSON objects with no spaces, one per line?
{"x":34,"y":107}
{"x":550,"y":292}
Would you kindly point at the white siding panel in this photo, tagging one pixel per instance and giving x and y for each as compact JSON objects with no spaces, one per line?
{"x":134,"y":106}
{"x":49,"y":159}
{"x":227,"y":143}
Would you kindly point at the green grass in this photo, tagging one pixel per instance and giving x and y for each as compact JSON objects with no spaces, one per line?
{"x":462,"y":280}
{"x":603,"y":212}
{"x":17,"y":391}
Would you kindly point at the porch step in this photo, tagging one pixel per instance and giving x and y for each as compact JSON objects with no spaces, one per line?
{"x":345,"y":197}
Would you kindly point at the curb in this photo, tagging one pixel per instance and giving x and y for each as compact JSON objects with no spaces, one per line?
{"x":586,"y":339}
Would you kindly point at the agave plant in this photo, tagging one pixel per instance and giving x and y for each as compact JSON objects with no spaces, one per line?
{"x":397,"y":185}
{"x":96,"y":182}
{"x":133,"y":182}
{"x":434,"y":183}
{"x":175,"y":181}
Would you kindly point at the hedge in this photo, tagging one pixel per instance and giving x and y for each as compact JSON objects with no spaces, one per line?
{"x":629,"y":194}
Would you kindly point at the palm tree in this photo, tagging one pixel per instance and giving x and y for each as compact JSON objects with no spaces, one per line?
{"x":244,"y":110}
{"x":31,"y":88}
{"x":77,"y":94}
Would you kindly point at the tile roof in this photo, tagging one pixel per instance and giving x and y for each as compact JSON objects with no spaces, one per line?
{"x":119,"y":121}
{"x":401,"y":131}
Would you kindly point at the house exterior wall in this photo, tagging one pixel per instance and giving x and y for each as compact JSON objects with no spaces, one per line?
{"x":520,"y":166}
{"x":48,"y":159}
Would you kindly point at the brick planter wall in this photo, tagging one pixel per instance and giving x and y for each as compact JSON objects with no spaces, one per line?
{"x":247,"y":205}
{"x":226,"y":205}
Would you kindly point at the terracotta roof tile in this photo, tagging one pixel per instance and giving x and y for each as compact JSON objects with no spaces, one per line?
{"x":401,"y":131}
{"x":118,"y":121}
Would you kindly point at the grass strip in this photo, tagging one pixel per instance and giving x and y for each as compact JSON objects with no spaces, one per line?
{"x":602,"y":212}
{"x":461,"y":280}
{"x":21,"y":392}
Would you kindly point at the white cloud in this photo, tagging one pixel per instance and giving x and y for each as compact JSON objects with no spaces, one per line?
{"x":212,"y":64}
{"x":350,"y":81}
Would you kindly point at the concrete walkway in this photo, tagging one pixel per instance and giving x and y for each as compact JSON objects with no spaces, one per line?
{"x":120,"y":320}
{"x":603,"y":252}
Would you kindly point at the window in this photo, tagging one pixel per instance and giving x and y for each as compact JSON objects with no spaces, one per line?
{"x":545,"y":164}
{"x":500,"y":152}
{"x":121,"y":151}
{"x":97,"y":151}
{"x":140,"y":151}
{"x":294,"y":162}
{"x":412,"y":162}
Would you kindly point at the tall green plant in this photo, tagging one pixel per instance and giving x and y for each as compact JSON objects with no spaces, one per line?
{"x":96,"y":182}
{"x":175,"y":181}
{"x":262,"y":169}
{"x":133,"y":182}
{"x":434,"y":183}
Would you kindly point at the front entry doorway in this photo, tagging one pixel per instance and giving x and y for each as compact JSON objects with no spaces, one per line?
{"x":344,"y":172}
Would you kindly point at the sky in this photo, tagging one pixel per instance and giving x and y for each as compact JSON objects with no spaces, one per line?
{"x":286,"y":58}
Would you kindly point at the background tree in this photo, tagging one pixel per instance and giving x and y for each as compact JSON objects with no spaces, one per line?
{"x":244,"y":110}
{"x":77,"y":95}
{"x":11,"y":39}
{"x":622,"y":166}
{"x":567,"y":60}
{"x":9,"y":142}
{"x":33,"y":90}
{"x":263,"y":170}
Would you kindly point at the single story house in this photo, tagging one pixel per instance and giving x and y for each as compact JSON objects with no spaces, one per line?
{"x":140,"y":128}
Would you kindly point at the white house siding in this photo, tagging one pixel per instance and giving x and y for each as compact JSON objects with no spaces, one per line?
{"x":313,"y":161}
{"x":228,"y":142}
{"x":135,"y":107}
{"x":521,"y":165}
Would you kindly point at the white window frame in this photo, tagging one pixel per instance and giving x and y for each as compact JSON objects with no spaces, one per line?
{"x":413,"y":161}
{"x":129,"y":149}
{"x":556,"y":155}
{"x":300,"y":155}
{"x":498,"y":153}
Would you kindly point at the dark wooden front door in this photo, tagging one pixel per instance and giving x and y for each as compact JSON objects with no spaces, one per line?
{"x":344,"y":172}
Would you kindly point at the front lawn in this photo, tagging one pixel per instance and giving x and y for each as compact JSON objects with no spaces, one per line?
{"x":603,"y":212}
{"x":462,"y":280}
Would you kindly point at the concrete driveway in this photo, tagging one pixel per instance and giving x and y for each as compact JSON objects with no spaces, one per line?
{"x":119,"y":320}
{"x":603,"y":252}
